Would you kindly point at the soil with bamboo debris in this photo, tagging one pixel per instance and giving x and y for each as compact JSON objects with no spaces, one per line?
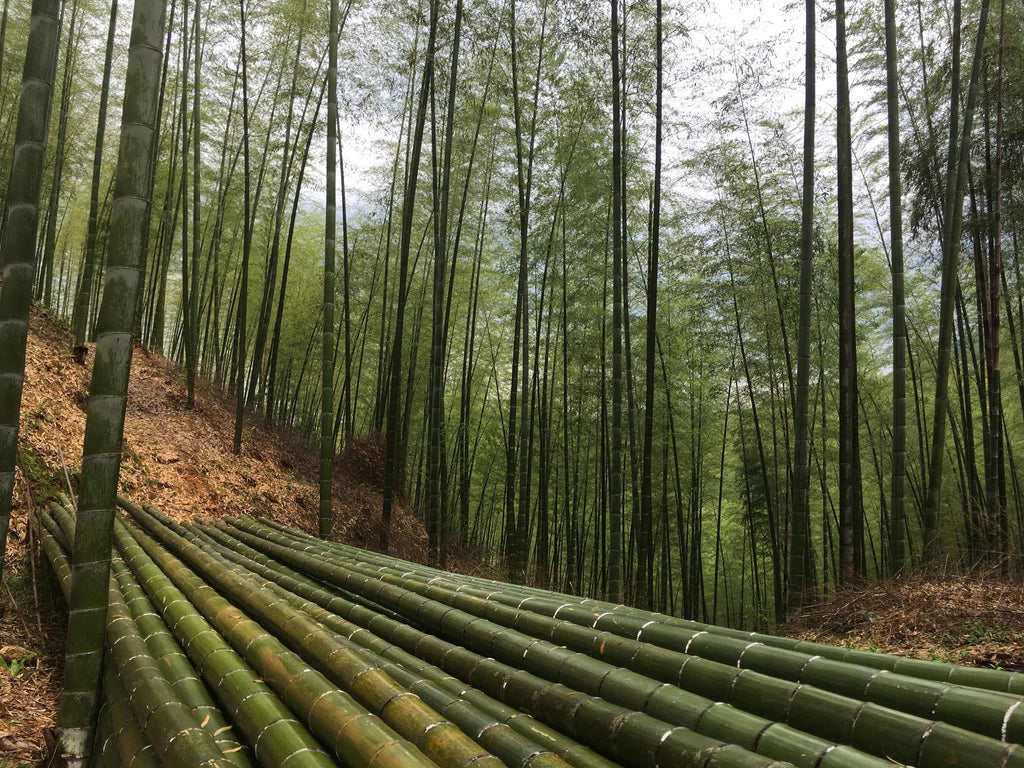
{"x":976,"y":619}
{"x":177,"y":458}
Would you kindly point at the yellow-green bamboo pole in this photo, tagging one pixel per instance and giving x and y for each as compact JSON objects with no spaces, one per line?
{"x":799,"y":705}
{"x":169,"y":725}
{"x":176,"y":667}
{"x":513,"y":736}
{"x":404,"y":712}
{"x":356,"y":736}
{"x":266,"y":723}
{"x":516,"y":595}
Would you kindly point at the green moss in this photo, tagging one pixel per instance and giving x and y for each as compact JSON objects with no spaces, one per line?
{"x":47,"y":483}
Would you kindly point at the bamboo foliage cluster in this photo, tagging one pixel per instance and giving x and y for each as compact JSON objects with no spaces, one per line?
{"x":258,"y":644}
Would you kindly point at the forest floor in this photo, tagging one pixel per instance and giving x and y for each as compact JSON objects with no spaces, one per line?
{"x":181,"y":459}
{"x":976,"y":619}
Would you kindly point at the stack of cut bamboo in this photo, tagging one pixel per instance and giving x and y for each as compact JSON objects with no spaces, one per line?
{"x":245,"y":643}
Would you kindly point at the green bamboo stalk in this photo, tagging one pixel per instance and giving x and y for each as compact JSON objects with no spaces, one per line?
{"x":133,"y":750}
{"x":105,"y":749}
{"x":987,"y":679}
{"x":55,"y":551}
{"x":330,"y":237}
{"x":169,"y":725}
{"x":177,"y":668}
{"x":264,"y":721}
{"x":127,"y":623}
{"x":101,"y":453}
{"x":898,"y":519}
{"x":548,"y":667}
{"x":801,"y":567}
{"x":83,"y":297}
{"x":640,"y":739}
{"x":356,"y":735}
{"x":997,"y":715}
{"x":485,"y":720}
{"x":18,"y":251}
{"x":930,"y":710}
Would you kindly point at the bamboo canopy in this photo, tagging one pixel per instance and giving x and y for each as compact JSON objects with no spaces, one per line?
{"x":243,"y":643}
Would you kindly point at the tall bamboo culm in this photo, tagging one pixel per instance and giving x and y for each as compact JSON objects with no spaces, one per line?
{"x":101,"y":454}
{"x":330,"y":238}
{"x":18,"y":253}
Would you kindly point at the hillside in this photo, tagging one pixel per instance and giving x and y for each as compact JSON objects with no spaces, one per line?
{"x":179,"y":459}
{"x":182,"y":460}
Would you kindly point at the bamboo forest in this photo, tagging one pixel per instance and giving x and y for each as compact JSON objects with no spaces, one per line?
{"x":694,"y":307}
{"x":661,"y":321}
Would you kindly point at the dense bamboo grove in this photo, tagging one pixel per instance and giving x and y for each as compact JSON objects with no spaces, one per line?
{"x":570,"y":258}
{"x":239,"y":643}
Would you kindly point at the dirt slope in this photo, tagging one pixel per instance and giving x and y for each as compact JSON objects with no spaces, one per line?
{"x":182,"y":459}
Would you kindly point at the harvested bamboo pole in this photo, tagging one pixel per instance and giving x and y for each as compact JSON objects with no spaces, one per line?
{"x":631,"y":738}
{"x":720,"y":661}
{"x":554,"y":669}
{"x":628,"y":736}
{"x":436,"y":737}
{"x":156,"y":718}
{"x":169,"y":725}
{"x":908,"y":738}
{"x":988,"y":679}
{"x":987,"y":711}
{"x":177,"y":668}
{"x":245,"y":693}
{"x":133,"y":750}
{"x":513,"y":736}
{"x":495,"y":674}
